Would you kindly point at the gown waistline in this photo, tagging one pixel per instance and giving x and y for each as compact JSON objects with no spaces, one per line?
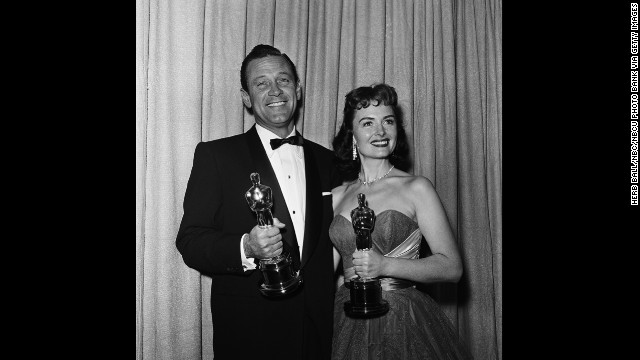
{"x":386,"y":283}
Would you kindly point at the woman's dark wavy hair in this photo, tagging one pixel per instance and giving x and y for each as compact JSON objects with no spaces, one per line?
{"x":355,"y":100}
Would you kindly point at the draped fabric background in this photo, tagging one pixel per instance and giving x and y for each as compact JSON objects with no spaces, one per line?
{"x":443,"y":57}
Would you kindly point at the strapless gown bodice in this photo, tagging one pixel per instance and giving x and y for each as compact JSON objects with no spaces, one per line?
{"x":415,"y":327}
{"x":394,"y":235}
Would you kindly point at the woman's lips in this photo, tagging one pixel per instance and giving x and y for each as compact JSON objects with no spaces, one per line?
{"x":380,"y":143}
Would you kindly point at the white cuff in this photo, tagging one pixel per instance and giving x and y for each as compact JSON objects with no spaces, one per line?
{"x":247,"y":263}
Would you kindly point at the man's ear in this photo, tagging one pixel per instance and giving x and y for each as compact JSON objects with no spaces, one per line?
{"x":298,"y":90}
{"x":246,"y":99}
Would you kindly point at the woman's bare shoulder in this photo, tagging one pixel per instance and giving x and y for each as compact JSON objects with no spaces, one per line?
{"x":412,"y":182}
{"x":338,"y":193}
{"x":341,"y":189}
{"x":414,"y":188}
{"x":419,"y":183}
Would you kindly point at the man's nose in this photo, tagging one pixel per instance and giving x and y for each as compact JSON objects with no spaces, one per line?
{"x":274,"y":90}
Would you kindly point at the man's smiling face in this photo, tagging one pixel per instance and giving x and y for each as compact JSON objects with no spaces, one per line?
{"x":273,"y":94}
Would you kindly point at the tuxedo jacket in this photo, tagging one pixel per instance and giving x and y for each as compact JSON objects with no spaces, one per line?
{"x":216,"y":215}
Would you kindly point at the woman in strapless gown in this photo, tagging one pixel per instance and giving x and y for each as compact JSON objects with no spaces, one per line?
{"x":371,"y":151}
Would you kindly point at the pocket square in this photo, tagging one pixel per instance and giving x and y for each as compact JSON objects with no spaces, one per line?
{"x":325,"y":193}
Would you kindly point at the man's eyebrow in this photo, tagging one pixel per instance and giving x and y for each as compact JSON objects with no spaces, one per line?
{"x":279,"y":73}
{"x":257,"y":78}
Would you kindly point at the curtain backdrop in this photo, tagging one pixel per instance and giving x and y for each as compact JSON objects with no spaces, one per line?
{"x":443,"y":57}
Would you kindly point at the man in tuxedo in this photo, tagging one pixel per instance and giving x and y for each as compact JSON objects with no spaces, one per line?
{"x":219,"y":236}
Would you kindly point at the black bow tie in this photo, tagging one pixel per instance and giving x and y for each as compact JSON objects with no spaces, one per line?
{"x":293,"y":140}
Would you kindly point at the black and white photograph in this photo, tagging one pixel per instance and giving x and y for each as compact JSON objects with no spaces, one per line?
{"x":320,"y":179}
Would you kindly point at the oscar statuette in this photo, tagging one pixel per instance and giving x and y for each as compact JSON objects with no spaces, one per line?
{"x":278,"y":274}
{"x":366,"y":293}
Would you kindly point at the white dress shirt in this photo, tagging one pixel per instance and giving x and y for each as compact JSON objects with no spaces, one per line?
{"x":287,"y":162}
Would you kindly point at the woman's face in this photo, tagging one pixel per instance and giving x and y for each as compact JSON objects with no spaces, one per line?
{"x":375,"y":131}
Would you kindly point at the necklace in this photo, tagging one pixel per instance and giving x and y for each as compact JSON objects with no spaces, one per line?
{"x":365,"y":183}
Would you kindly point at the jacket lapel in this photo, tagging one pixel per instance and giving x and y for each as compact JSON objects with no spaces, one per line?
{"x":314,"y":211}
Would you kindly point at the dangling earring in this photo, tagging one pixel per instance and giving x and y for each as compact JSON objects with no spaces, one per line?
{"x":355,"y":151}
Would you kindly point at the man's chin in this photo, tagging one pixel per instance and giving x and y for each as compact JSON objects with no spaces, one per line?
{"x":279,"y":119}
{"x":277,"y":122}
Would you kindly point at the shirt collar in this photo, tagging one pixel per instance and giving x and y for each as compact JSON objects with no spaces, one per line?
{"x":266,"y":136}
